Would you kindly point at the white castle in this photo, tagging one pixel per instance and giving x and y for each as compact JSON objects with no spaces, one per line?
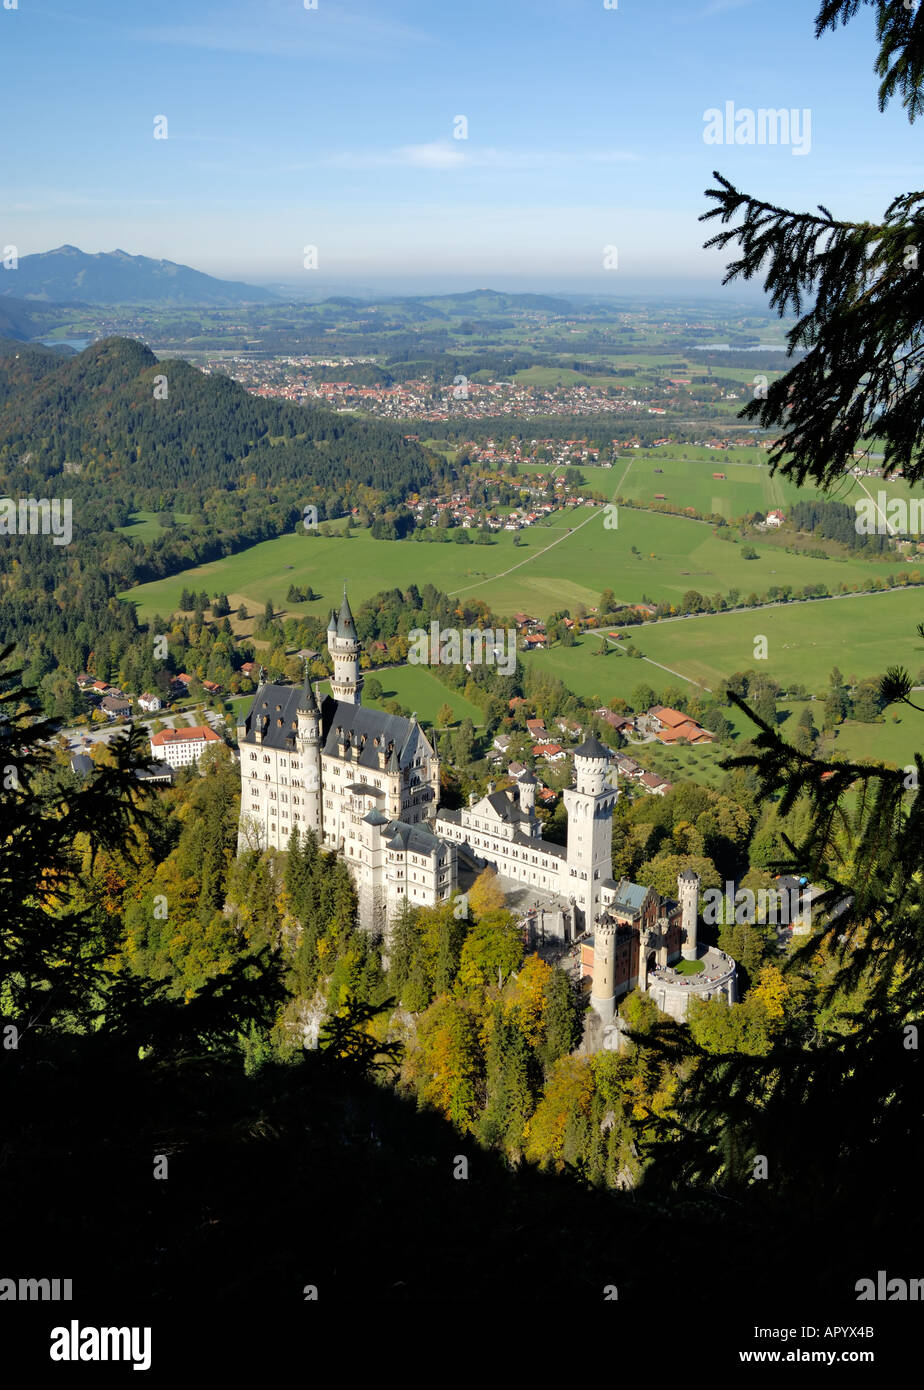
{"x":367,"y":783}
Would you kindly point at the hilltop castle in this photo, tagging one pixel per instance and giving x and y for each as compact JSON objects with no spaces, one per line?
{"x":367,"y":784}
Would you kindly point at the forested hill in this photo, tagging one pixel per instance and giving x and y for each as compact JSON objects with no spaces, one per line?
{"x":114,"y":414}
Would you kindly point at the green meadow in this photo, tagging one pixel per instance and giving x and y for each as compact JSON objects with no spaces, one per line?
{"x":560,"y":564}
{"x":861,"y":635}
{"x":417,"y":689}
{"x":144,"y":526}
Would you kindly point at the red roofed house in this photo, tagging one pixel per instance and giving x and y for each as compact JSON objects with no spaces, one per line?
{"x":669,"y":725}
{"x":552,"y":752}
{"x":179,"y":747}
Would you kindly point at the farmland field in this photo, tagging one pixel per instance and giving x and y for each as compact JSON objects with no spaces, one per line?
{"x":862,"y":635}
{"x":673,"y":555}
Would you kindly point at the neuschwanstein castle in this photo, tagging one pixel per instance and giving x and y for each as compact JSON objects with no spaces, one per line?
{"x":368,"y":784}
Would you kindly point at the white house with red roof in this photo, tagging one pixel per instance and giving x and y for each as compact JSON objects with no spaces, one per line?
{"x":180,"y":747}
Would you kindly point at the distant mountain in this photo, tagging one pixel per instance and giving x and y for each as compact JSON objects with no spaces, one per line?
{"x":69,"y":275}
{"x":477,"y":302}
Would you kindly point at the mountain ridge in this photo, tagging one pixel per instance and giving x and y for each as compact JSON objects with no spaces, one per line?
{"x":67,"y":275}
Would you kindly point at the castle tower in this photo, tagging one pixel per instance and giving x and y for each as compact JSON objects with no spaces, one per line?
{"x":344,"y":647}
{"x":527,"y":793}
{"x":589,"y":858}
{"x":688,"y":897}
{"x":309,"y":748}
{"x":603,"y":989}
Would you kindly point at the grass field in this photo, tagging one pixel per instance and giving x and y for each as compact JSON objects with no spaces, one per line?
{"x":419,"y":691}
{"x":891,"y":742}
{"x":672,"y":556}
{"x":145,"y":527}
{"x":862,"y":635}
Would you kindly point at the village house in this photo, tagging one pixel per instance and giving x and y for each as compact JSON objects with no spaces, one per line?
{"x":116,"y":706}
{"x":671,"y":725}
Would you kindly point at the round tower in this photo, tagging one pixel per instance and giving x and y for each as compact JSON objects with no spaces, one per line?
{"x":344,"y":647}
{"x":309,"y":747}
{"x":688,"y":897}
{"x":591,"y":761}
{"x":603,"y":989}
{"x":527,"y":793}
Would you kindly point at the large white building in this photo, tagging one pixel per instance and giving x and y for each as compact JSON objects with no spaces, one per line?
{"x":180,"y":747}
{"x":367,"y":783}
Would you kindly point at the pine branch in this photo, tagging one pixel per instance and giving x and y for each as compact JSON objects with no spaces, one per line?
{"x":900,"y":35}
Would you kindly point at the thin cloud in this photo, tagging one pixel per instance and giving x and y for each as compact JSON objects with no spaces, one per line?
{"x":449,"y":154}
{"x":283,"y":30}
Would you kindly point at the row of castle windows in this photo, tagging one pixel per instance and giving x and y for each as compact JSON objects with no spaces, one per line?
{"x":507,"y":854}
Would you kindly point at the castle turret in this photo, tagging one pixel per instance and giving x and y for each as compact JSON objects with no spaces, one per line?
{"x":344,"y":647}
{"x":603,"y":988}
{"x":527,"y":793}
{"x":688,"y":896}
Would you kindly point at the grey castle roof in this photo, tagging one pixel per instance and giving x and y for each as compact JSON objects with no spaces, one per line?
{"x":361,"y":727}
{"x":308,"y":700}
{"x":278,"y":706}
{"x":689,"y":874}
{"x":593,"y":748}
{"x":528,"y":780}
{"x":345,"y":626}
{"x":418,"y":839}
{"x":630,"y":897}
{"x":507,"y":808}
{"x":274,"y":710}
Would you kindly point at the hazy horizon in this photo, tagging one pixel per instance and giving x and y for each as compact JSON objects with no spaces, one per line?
{"x":516,"y":144}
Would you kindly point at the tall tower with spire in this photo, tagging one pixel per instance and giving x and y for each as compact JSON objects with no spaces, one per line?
{"x":308,"y":719}
{"x":343,"y":645}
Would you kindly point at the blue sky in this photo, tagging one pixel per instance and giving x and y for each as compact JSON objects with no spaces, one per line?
{"x":333,"y":127}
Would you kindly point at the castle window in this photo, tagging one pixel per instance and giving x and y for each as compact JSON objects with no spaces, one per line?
{"x":266,"y":757}
{"x":253,"y":757}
